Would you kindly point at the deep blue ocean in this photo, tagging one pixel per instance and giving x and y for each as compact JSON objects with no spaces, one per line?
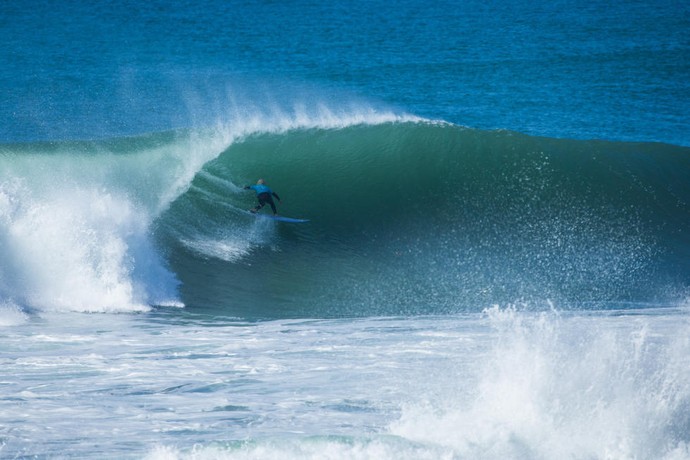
{"x":497,"y":258}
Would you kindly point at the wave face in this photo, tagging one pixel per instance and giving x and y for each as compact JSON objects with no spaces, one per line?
{"x":407,"y":216}
{"x":419,"y":217}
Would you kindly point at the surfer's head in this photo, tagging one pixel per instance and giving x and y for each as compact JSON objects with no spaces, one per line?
{"x":260,"y":181}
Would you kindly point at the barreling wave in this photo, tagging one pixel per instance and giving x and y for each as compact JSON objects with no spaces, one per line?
{"x":77,"y":218}
{"x":407,"y":216}
{"x":420,"y":217}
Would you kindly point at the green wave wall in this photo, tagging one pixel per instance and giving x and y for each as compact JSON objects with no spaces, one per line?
{"x":421,"y":217}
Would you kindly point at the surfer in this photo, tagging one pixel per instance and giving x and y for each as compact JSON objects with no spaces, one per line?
{"x":265,"y":196}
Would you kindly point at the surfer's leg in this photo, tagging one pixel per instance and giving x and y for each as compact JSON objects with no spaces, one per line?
{"x":273,"y":205}
{"x":266,"y":198}
{"x":262,"y":200}
{"x":258,"y":206}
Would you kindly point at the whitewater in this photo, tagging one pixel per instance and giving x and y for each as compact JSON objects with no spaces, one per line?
{"x":495,"y":264}
{"x":499,"y":385}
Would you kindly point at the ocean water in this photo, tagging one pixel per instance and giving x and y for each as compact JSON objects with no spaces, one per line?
{"x":496,"y":264}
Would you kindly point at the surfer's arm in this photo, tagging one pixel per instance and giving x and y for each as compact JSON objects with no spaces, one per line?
{"x":276,"y":195}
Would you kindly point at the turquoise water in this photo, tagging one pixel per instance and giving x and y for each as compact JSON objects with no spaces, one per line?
{"x":496,"y":263}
